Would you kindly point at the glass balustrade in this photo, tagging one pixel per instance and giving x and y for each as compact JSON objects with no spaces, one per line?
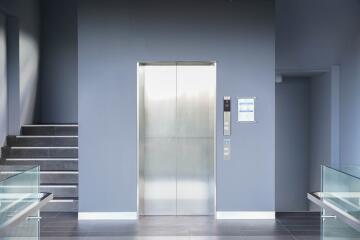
{"x":340,"y":202}
{"x":20,"y":202}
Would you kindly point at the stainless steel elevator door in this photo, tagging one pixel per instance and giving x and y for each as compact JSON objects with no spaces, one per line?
{"x":176,"y":145}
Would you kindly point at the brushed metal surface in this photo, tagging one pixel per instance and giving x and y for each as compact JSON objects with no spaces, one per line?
{"x":160,"y":101}
{"x":159,"y":168}
{"x":195,"y":182}
{"x":195,"y":101}
{"x":176,"y":123}
{"x":195,"y":129}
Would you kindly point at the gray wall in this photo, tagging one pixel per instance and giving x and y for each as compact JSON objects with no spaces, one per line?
{"x":314,"y":34}
{"x":292,"y":144}
{"x":320,"y":132}
{"x":303,"y":139}
{"x":114,"y":36}
{"x":308,"y":36}
{"x":3,"y":81}
{"x":28,"y":15}
{"x":349,"y":107}
{"x":59,"y":61}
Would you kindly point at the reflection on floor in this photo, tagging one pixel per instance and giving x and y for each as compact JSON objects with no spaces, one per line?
{"x":65,"y":226}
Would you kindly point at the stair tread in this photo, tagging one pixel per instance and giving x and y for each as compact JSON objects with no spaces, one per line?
{"x":42,"y":159}
{"x":43,"y":136}
{"x":58,"y":184}
{"x":51,"y":125}
{"x":66,"y":198}
{"x":48,"y":147}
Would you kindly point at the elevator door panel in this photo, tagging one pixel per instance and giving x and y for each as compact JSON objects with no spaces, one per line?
{"x":195,"y":101}
{"x":160,"y":177}
{"x":195,"y":188}
{"x":176,"y":140}
{"x":160,"y":101}
{"x":195,"y":148}
{"x":159,"y":125}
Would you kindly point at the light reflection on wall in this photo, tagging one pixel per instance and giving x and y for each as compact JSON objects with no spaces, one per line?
{"x":3,"y":85}
{"x":29,"y":65}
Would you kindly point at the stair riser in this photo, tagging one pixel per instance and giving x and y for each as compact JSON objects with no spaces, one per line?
{"x":40,"y":153}
{"x":42,"y":142}
{"x":58,"y":178}
{"x":61,"y":207}
{"x":61,"y":192}
{"x":48,"y":165}
{"x":50,"y":131}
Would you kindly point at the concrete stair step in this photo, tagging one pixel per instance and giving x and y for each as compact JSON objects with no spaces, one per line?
{"x":40,"y":152}
{"x":61,"y":205}
{"x":46,"y":164}
{"x":51,"y":130}
{"x":55,"y":149}
{"x":59,"y":177}
{"x":61,"y":191}
{"x":42,"y":141}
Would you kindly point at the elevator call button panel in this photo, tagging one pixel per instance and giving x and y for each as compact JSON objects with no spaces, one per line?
{"x":227,"y":149}
{"x":227,"y":116}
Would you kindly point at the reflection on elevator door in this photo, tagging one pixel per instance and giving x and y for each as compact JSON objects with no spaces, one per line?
{"x":176,"y":138}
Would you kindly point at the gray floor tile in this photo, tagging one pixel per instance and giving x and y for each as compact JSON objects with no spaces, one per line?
{"x":66,"y":226}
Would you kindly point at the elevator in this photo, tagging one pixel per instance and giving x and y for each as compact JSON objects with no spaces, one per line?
{"x":176,"y":138}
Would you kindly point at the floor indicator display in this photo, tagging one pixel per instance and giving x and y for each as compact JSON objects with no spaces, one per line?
{"x":227,"y":116}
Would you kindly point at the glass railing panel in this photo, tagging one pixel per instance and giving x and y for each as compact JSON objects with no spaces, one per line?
{"x":19,"y":192}
{"x":351,"y":169}
{"x":342,"y":190}
{"x":336,"y":229}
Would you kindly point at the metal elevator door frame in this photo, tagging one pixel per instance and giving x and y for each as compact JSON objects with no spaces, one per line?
{"x":154,"y":146}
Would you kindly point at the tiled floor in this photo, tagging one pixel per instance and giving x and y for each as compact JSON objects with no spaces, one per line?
{"x":65,"y":226}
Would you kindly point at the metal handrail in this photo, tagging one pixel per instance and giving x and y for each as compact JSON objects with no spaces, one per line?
{"x":24,"y":214}
{"x":334,"y":210}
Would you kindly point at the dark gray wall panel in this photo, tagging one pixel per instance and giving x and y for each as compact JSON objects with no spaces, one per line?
{"x":115,"y":35}
{"x":320,"y":121}
{"x":28,"y":14}
{"x":308,"y":36}
{"x":292,"y":144}
{"x":303,"y":139}
{"x":349,"y":108}
{"x":59,"y":100}
{"x":320,"y":131}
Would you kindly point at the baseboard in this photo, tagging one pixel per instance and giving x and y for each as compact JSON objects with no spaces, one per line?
{"x":107,"y":216}
{"x":246,"y":215}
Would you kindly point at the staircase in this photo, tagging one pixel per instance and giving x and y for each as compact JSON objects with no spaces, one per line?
{"x":55,"y":149}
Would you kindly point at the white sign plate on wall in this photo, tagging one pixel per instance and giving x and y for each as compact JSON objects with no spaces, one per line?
{"x":246,"y":109}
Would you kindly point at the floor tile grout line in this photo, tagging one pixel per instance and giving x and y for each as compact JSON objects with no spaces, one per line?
{"x":288,"y":230}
